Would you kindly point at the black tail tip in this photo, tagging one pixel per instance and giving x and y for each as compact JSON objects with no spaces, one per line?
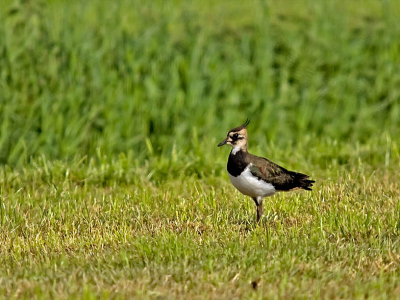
{"x":308,"y":184}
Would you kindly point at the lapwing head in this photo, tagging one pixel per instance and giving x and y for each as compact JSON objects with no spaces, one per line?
{"x":237,"y":137}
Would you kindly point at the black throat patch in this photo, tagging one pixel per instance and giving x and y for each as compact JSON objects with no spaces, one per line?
{"x":237,"y":163}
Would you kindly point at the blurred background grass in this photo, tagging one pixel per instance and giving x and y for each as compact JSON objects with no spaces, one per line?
{"x":161,"y":82}
{"x":110,"y":112}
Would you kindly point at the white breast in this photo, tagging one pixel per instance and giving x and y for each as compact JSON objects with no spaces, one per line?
{"x":251,"y":186}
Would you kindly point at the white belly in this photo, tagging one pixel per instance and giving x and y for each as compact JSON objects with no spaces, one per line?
{"x":251,"y":186}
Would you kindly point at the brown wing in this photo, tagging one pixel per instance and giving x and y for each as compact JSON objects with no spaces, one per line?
{"x":280,"y":178}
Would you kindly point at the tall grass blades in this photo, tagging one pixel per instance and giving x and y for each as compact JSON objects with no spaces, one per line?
{"x":80,"y":77}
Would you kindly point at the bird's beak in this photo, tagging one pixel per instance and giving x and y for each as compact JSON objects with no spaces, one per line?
{"x":223,"y":142}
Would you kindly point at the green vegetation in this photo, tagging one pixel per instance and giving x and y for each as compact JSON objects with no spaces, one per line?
{"x":111,"y":184}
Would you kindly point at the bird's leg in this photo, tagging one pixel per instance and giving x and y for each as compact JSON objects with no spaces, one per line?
{"x":259,"y":203}
{"x":259,"y":212}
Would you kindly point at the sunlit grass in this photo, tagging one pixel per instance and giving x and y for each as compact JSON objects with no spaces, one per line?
{"x":66,"y":232}
{"x":111,"y":184}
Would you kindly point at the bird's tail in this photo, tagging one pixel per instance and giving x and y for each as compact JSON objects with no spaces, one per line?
{"x":302,"y":181}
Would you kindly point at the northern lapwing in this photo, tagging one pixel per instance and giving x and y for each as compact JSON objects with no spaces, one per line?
{"x":256,"y":176}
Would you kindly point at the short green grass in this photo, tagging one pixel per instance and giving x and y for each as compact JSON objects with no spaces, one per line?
{"x":111,"y":184}
{"x":68,"y":232}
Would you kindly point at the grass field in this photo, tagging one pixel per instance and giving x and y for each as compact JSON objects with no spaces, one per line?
{"x":111,"y":184}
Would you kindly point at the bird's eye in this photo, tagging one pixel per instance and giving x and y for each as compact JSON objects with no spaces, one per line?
{"x":235,"y":136}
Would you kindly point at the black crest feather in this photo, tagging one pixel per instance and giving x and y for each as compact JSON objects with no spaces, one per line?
{"x":240,"y":127}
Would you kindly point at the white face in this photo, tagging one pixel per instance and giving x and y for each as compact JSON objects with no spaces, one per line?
{"x":236,"y":139}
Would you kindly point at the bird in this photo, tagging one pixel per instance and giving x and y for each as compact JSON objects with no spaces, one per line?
{"x":256,"y":176}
